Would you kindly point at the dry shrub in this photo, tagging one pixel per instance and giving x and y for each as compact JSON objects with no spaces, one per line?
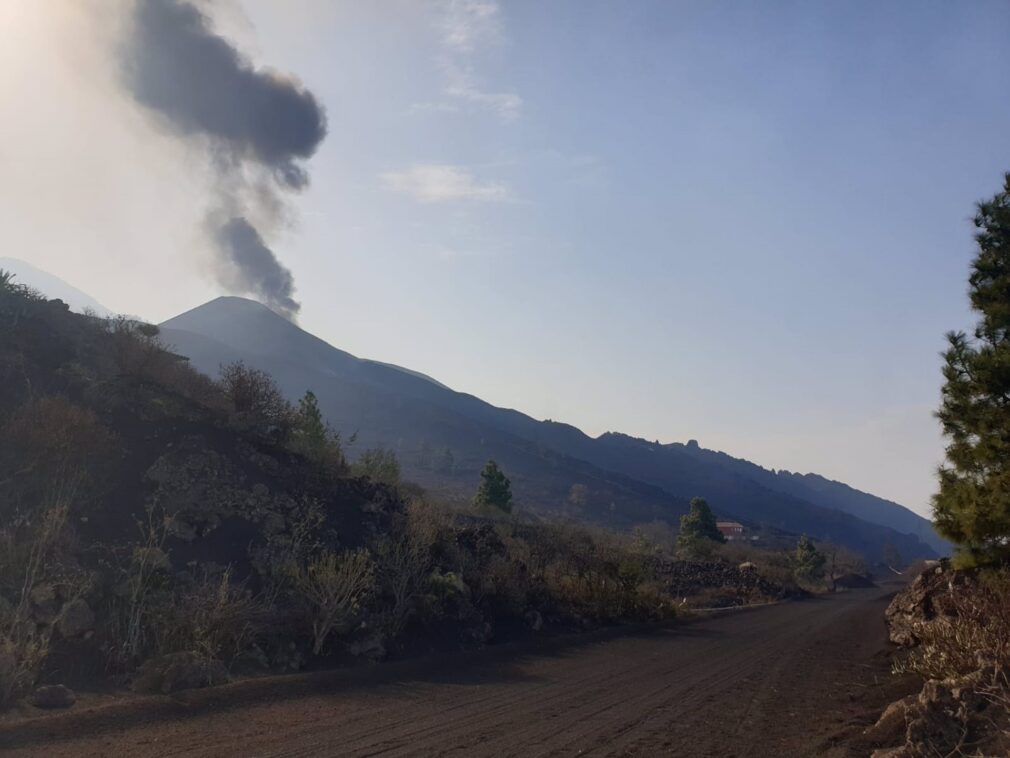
{"x":137,"y":350}
{"x":212,"y":616}
{"x":334,"y":587}
{"x":156,"y":612}
{"x":48,"y":462}
{"x":23,"y":650}
{"x":135,"y":347}
{"x":972,"y":633}
{"x":142,"y":584}
{"x":255,"y":399}
{"x":404,"y":562}
{"x":50,"y":450}
{"x":402,"y":567}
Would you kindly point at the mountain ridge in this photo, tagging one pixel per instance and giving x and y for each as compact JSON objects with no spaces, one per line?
{"x":442,"y":436}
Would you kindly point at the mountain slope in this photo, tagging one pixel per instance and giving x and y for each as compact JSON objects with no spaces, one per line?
{"x":443,"y":437}
{"x":827,"y":492}
{"x":387,"y":406}
{"x":53,"y":287}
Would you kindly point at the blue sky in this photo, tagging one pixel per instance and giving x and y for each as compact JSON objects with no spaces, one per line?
{"x":747,"y":224}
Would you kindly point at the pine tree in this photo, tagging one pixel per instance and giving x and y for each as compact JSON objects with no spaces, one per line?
{"x":495,"y":490}
{"x":698,"y":523}
{"x":972,"y":507}
{"x":311,"y":432}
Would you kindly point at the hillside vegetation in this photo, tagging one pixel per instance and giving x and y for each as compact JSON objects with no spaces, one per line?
{"x":167,"y":530}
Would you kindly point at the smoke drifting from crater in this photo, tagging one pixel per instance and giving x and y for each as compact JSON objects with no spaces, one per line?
{"x":255,"y":125}
{"x":244,"y":251}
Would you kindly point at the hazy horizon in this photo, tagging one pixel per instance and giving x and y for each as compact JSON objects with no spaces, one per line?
{"x":677,"y":221}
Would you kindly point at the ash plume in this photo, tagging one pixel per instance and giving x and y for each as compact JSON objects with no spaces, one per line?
{"x":251,"y":266}
{"x":256,"y":126}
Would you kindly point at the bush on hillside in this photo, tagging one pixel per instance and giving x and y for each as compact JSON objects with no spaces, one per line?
{"x":379,"y":465}
{"x":256,"y":400}
{"x":190,"y":525}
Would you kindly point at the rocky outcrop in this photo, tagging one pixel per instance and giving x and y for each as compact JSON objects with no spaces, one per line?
{"x":927,"y":598}
{"x":963,"y":715}
{"x":947,"y":716}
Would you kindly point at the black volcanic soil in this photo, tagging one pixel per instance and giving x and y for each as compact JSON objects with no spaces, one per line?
{"x":796,"y":679}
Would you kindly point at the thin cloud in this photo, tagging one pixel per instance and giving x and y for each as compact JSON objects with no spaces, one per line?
{"x":463,"y":86}
{"x":468,"y":24}
{"x":468,"y":28}
{"x":443,"y":183}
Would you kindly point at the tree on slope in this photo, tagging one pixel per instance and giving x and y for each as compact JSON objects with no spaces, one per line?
{"x":495,"y":490}
{"x":808,"y":560}
{"x":972,"y":507}
{"x":313,"y":437}
{"x":698,"y":524}
{"x":312,"y":433}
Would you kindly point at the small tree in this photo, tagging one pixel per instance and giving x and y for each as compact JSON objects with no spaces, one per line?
{"x":312,"y":436}
{"x":495,"y":490}
{"x":808,"y":560}
{"x":972,"y":507}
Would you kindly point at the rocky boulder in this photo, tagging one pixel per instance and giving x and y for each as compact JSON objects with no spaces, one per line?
{"x":53,"y":696}
{"x":76,"y":619}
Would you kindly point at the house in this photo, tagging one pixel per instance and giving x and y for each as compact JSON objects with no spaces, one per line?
{"x":731,"y":530}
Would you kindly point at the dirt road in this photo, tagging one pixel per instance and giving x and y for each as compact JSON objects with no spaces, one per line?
{"x":774,"y":681}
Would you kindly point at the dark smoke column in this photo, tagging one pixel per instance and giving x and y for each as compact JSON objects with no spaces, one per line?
{"x":256,"y":128}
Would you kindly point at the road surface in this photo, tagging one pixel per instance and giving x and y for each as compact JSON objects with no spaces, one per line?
{"x":774,"y":681}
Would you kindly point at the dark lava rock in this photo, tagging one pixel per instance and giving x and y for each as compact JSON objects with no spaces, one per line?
{"x":53,"y":696}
